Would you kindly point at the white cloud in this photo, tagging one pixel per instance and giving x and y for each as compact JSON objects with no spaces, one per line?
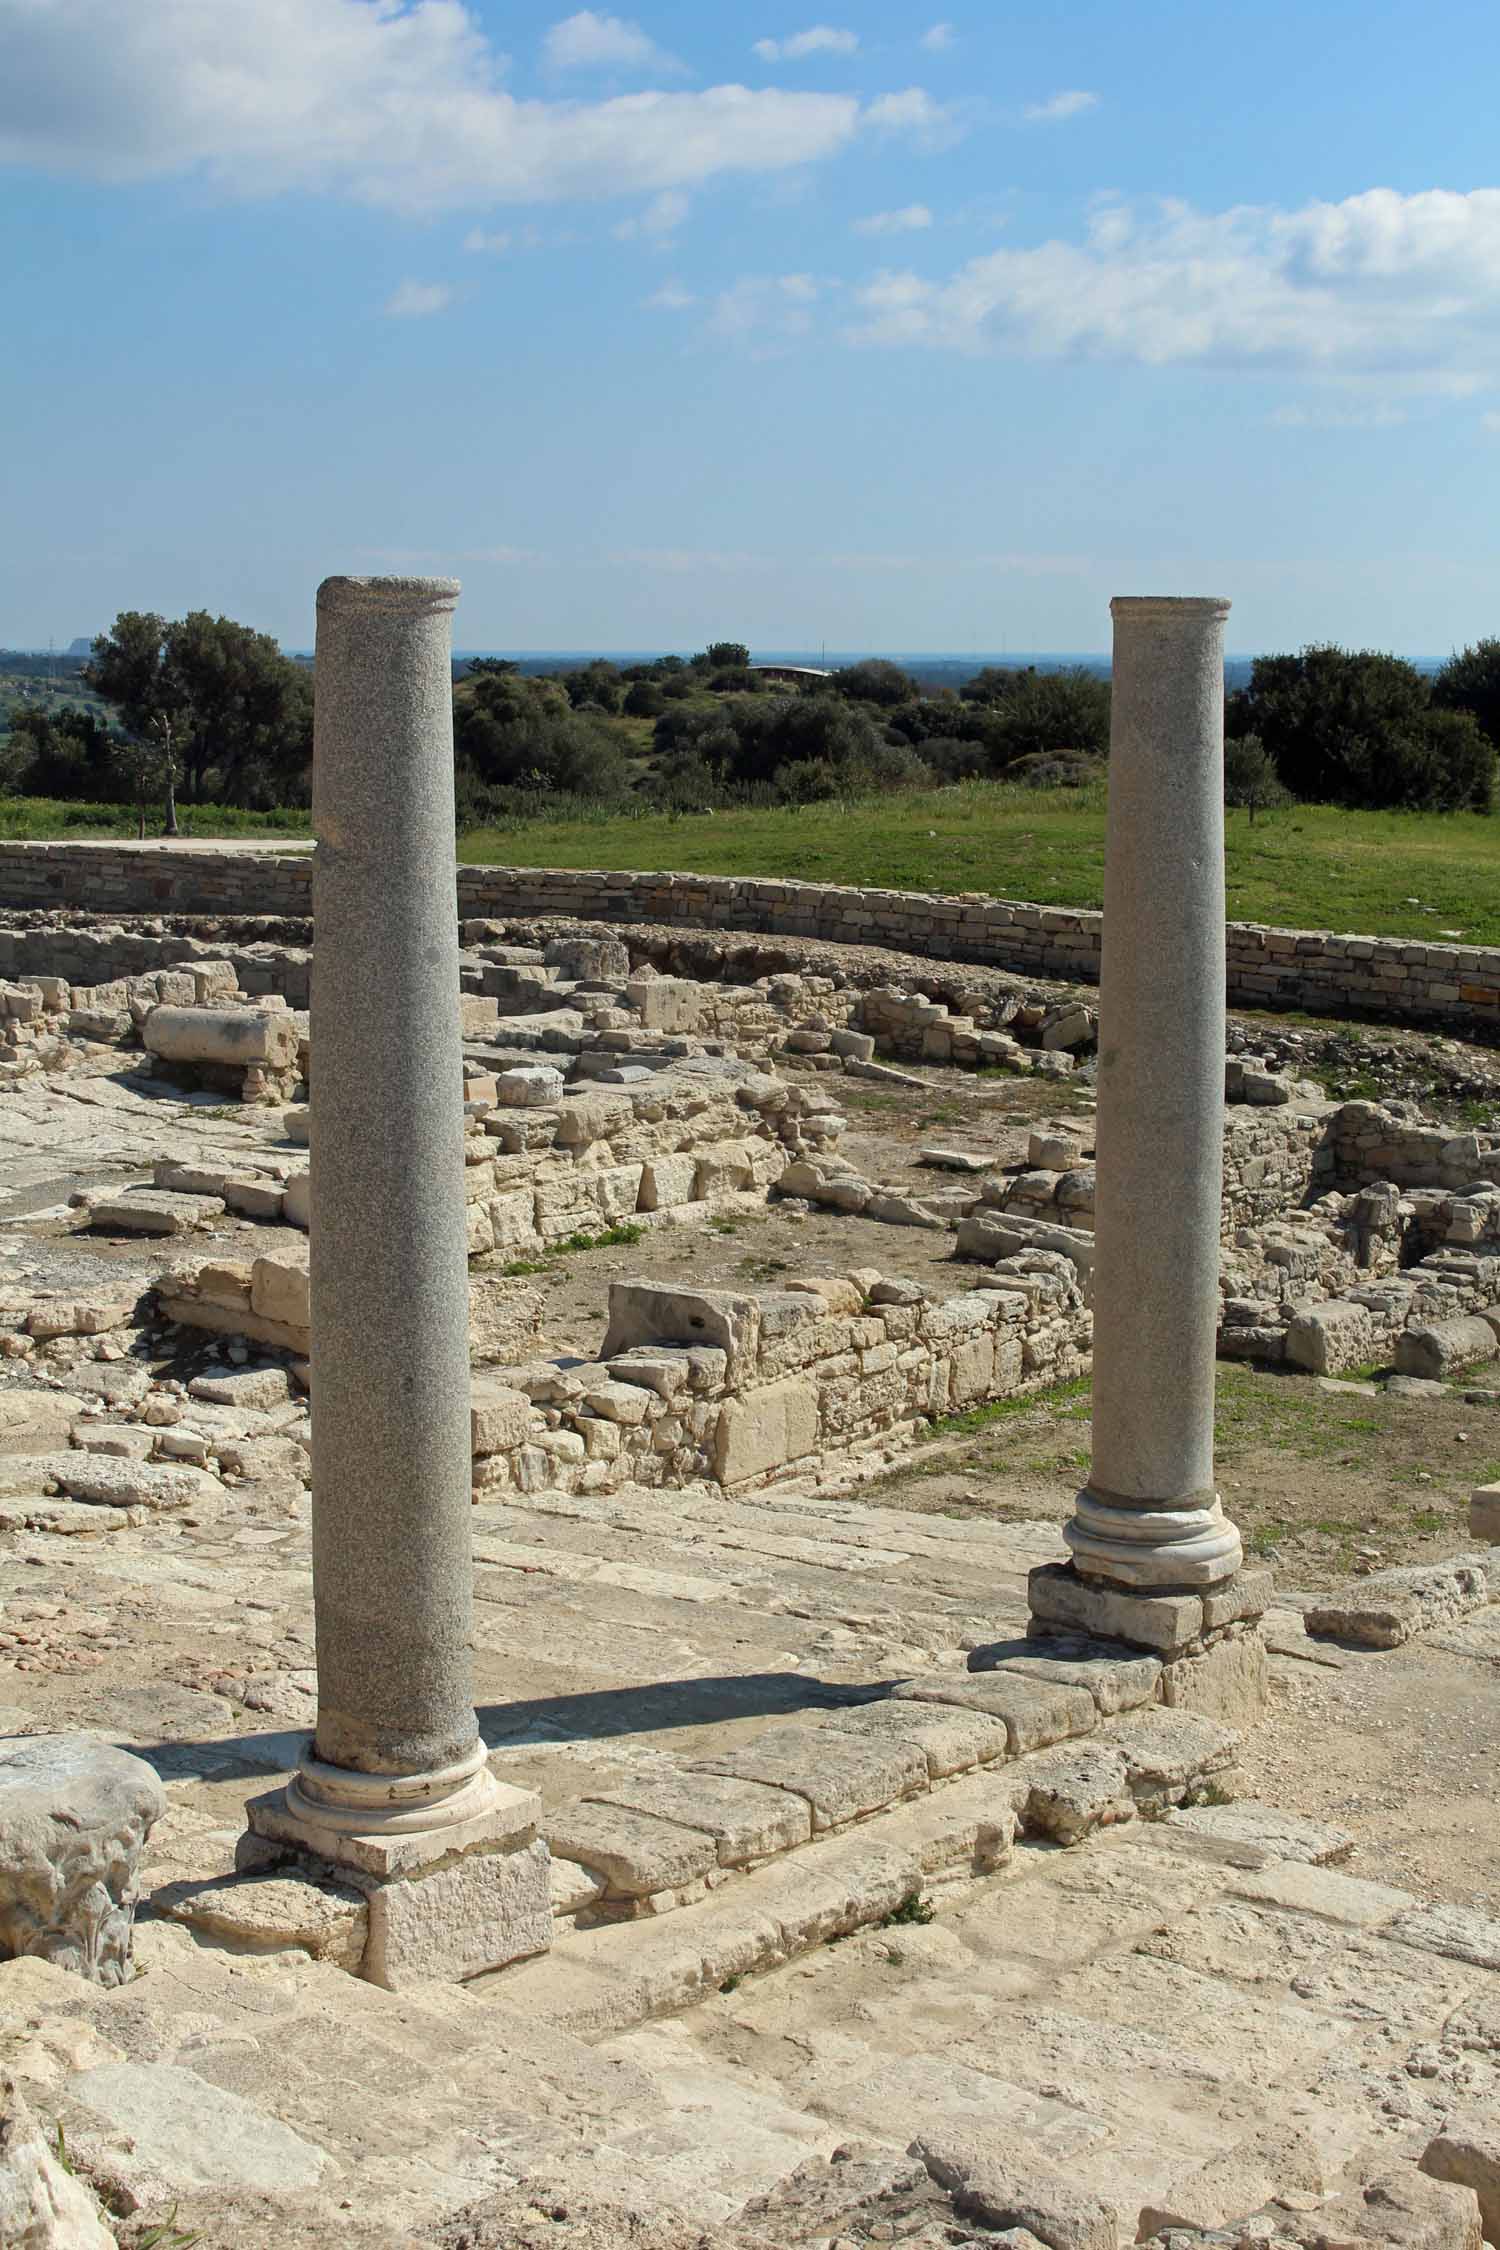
{"x":593,"y":42}
{"x":1489,"y":421}
{"x":477,"y":239}
{"x":659,"y":222}
{"x":938,"y":39}
{"x":765,"y":305}
{"x":417,"y":300}
{"x":396,"y":103}
{"x":690,"y":560}
{"x":1376,"y":417}
{"x":911,"y":219}
{"x":1073,"y":103}
{"x":1402,"y":287}
{"x":671,"y":297}
{"x":912,"y":111}
{"x":821,"y":39}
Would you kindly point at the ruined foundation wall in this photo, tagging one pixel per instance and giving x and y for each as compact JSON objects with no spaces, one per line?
{"x":1389,"y":978}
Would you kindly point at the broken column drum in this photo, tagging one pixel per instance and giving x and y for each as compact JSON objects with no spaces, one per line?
{"x":1149,"y":1518}
{"x":397,"y":1778}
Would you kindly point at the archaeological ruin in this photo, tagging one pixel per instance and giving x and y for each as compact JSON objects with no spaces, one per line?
{"x":711,"y":1564}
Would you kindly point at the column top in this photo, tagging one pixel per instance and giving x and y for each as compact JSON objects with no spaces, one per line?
{"x":1187,"y":607}
{"x":412,"y":595}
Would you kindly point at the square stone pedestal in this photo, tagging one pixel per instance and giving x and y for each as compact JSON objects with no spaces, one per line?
{"x":1210,"y":1643}
{"x":448,"y":1902}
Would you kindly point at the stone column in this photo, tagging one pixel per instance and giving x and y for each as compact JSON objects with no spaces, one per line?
{"x":1149,"y":1535}
{"x":396,"y":1778}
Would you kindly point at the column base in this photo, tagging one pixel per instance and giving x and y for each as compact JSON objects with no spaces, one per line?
{"x":1152,"y":1550}
{"x":1210,"y":1644}
{"x":453,"y":1872}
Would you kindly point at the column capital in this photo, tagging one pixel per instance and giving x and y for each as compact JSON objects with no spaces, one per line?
{"x":403,"y":597}
{"x":1169,"y":609}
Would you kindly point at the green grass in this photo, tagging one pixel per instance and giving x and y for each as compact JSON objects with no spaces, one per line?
{"x":45,"y":819}
{"x":1310,"y":866}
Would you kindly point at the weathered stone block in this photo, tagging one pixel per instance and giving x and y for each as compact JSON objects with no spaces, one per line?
{"x":764,"y":1430}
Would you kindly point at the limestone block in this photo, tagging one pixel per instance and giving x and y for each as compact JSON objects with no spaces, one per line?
{"x":499,"y":1417}
{"x":649,"y":1312}
{"x":243,"y":1386}
{"x":1051,"y":1150}
{"x":586,"y":1118}
{"x":841,"y":1776}
{"x":1118,"y":1678}
{"x":668,"y":1180}
{"x":1169,"y":1752}
{"x":1229,"y":1681}
{"x":279,"y":1289}
{"x":1256,"y":1835}
{"x":122,"y":1483}
{"x":61,"y":1316}
{"x":1168,"y":1623}
{"x":1328,"y":1337}
{"x":950,"y":1739}
{"x":1457,"y":1933}
{"x":1073,"y":1789}
{"x":1036,"y":1712}
{"x":1484,"y":1513}
{"x":43,"y":2205}
{"x":723,"y":1168}
{"x":287,"y":1911}
{"x":589,"y":960}
{"x":74,"y":1813}
{"x":479,"y":1231}
{"x":637,"y":1852}
{"x":1433,"y":1352}
{"x":152,"y":1211}
{"x":237,"y":1037}
{"x":512,"y":1219}
{"x":764,"y":1430}
{"x":529,"y":1086}
{"x":1389,"y":1607}
{"x":669,"y":1004}
{"x":618,"y":1190}
{"x":744,"y":1819}
{"x":296,"y":1201}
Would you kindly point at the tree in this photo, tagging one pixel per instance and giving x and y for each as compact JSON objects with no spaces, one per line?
{"x":1357,"y":727}
{"x":644,"y":700}
{"x":510,"y":732}
{"x":1250,"y":777}
{"x":235,"y":708}
{"x":62,"y":754}
{"x":723,"y":656}
{"x":1470,"y":681}
{"x":875,"y":681}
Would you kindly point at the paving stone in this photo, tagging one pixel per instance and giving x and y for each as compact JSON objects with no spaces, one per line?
{"x":119,"y":1482}
{"x":192,"y":2133}
{"x":153,"y":1211}
{"x":1456,"y":1931}
{"x":1255,"y":1835}
{"x":934,"y":2095}
{"x":638,"y":1853}
{"x":269,"y":1913}
{"x":1118,"y":1678}
{"x":68,"y":1518}
{"x":1304,"y":1889}
{"x":1036,"y":1712}
{"x":745,"y":1819}
{"x":841,"y":1776}
{"x":951,"y":1740}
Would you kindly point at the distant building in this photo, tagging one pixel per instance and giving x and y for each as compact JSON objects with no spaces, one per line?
{"x":790,"y":672}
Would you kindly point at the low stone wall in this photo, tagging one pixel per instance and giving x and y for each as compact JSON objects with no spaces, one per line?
{"x":1388,"y":978}
{"x":744,"y":1391}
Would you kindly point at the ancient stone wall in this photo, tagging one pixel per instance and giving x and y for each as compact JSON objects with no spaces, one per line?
{"x":747,"y":1390}
{"x":1389,"y":978}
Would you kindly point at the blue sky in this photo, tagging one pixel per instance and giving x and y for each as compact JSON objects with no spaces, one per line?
{"x":895,"y":327}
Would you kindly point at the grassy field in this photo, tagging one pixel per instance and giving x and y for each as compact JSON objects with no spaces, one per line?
{"x":50,"y":819}
{"x":1311,"y":866}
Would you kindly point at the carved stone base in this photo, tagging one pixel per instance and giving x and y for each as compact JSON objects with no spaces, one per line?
{"x":453,"y":1872}
{"x":74,"y":1813}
